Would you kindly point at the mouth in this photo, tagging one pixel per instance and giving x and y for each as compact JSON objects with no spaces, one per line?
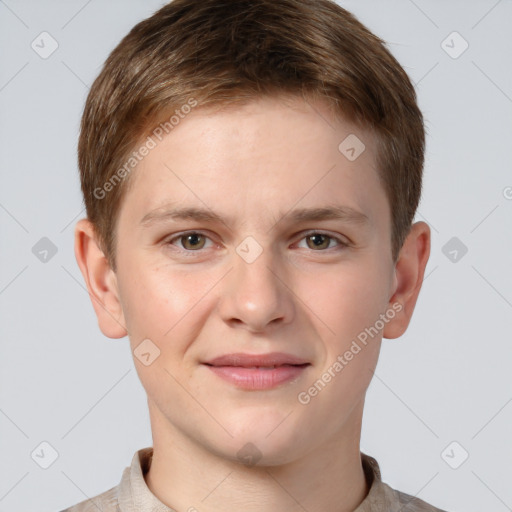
{"x":258,"y":372}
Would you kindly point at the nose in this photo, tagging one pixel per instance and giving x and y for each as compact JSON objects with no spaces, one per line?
{"x":256,"y":296}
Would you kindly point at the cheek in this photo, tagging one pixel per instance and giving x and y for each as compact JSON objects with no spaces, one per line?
{"x":353,"y":299}
{"x":159,"y":304}
{"x":168,"y":308}
{"x":349,"y":299}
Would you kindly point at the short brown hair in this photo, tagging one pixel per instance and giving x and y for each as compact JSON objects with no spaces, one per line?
{"x":217,"y":52}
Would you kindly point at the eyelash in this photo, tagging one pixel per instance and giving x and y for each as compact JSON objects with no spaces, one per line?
{"x":341,"y":243}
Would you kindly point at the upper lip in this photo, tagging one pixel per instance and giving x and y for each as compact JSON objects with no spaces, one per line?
{"x":251,"y":360}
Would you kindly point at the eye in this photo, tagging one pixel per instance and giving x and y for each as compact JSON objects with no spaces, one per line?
{"x":191,"y":241}
{"x":316,"y":241}
{"x":194,"y":241}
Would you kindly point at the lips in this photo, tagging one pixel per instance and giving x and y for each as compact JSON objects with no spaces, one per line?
{"x":253,"y":372}
{"x":270,"y":360}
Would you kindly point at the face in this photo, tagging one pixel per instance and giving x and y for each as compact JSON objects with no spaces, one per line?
{"x":283,"y":245}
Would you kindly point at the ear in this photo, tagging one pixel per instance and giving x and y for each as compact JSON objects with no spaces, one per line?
{"x":100,"y":279}
{"x":409,"y":272}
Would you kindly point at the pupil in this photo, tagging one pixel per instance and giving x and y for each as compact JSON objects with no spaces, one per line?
{"x":193,"y":239}
{"x":318,"y":240}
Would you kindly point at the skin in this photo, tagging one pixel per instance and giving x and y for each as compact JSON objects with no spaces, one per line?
{"x":253,"y":164}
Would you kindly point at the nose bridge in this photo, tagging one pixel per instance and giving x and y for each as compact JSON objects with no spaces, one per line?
{"x":255,"y":295}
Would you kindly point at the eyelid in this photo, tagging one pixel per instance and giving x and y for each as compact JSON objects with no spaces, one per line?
{"x":178,"y":236}
{"x":303,"y":234}
{"x":341,"y":242}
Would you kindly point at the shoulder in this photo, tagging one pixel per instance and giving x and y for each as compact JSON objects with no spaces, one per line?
{"x":122,"y":495}
{"x":106,"y":502}
{"x":383,"y":497}
{"x":408,"y":503}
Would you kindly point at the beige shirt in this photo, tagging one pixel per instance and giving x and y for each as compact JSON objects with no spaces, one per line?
{"x":133,"y":495}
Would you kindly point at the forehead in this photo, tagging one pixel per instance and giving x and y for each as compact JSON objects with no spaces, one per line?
{"x":264,"y":156}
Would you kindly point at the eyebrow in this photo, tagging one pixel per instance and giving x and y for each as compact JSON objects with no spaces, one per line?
{"x":335,"y":212}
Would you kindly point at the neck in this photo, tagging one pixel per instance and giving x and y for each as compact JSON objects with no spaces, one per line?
{"x":185,"y":475}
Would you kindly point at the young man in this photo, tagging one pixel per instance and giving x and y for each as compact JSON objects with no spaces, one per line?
{"x":251,"y":170}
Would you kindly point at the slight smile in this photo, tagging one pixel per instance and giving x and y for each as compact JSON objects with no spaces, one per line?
{"x":257,"y":371}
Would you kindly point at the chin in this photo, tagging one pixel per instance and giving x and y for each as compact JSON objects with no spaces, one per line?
{"x":263,"y":443}
{"x":259,"y":454}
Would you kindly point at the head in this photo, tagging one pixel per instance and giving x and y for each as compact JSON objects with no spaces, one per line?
{"x":290,"y":140}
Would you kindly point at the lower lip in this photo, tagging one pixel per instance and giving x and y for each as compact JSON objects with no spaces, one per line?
{"x":256,"y":379}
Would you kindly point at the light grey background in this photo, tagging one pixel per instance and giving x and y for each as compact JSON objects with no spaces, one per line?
{"x":448,"y":379}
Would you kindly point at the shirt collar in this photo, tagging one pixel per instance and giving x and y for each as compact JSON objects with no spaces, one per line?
{"x":135,"y":496}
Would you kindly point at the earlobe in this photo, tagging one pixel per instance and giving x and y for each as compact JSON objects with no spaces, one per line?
{"x":100,"y":280}
{"x":408,"y":278}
